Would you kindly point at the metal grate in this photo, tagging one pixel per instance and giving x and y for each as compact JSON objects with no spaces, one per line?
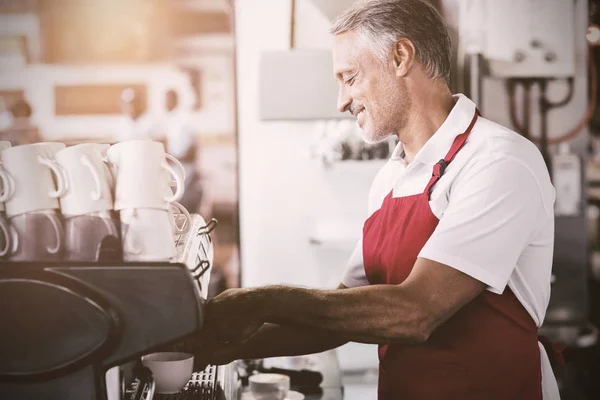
{"x":202,"y":386}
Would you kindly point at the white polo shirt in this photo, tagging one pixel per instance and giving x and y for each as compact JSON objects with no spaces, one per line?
{"x":495,"y":203}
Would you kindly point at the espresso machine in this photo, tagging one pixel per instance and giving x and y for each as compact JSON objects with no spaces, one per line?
{"x":66,"y":324}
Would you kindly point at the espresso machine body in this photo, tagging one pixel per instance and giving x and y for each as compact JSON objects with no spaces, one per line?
{"x":64,"y":325}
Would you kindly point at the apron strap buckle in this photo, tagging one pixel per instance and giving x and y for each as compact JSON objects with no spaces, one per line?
{"x":440,"y":168}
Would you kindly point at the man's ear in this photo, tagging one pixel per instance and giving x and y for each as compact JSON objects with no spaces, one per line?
{"x":403,"y":56}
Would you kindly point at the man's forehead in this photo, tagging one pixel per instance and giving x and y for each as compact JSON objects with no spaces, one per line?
{"x":346,"y":51}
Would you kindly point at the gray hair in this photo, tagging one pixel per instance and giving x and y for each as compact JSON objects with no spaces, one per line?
{"x":381,"y":23}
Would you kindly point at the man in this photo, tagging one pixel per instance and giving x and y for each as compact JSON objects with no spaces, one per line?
{"x":452,"y":274}
{"x":21,"y":129}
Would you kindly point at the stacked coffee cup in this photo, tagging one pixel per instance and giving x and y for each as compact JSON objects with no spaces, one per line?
{"x":32,"y":183}
{"x":148,"y":183}
{"x":72,"y":203}
{"x":87,"y":205}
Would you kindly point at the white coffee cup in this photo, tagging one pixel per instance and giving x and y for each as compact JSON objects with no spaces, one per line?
{"x":89,"y":179}
{"x":269,"y":386}
{"x":143,"y":175}
{"x":171,"y":371}
{"x":29,"y":170}
{"x":85,"y":233}
{"x":36,"y":236}
{"x":4,"y":179}
{"x":147,"y":234}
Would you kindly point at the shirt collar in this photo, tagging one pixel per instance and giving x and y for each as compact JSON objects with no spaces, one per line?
{"x":438,"y":145}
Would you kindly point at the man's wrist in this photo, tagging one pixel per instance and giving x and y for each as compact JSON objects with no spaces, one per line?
{"x":264,"y":303}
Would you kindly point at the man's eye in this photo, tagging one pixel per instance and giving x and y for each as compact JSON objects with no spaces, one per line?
{"x":350,"y":81}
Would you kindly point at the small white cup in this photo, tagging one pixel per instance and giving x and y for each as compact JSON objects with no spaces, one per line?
{"x":29,"y":169}
{"x":147,"y":235}
{"x":89,"y":179}
{"x":171,"y":371}
{"x":143,"y":175}
{"x":269,"y":386}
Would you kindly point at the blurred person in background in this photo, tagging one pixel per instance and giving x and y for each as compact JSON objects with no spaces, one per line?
{"x":135,"y":123}
{"x":182,"y":144}
{"x":20,"y":129}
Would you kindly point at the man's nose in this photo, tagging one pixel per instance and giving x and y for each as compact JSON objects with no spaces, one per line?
{"x":344,"y":100}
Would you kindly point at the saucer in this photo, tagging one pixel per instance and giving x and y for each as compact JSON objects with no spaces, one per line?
{"x":292,"y":395}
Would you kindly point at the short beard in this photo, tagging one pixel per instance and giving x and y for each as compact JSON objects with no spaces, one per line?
{"x":377,"y":139}
{"x":398,"y":109}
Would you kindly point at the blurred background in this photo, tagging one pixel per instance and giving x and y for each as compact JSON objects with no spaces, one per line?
{"x":242,"y":91}
{"x":79,"y":71}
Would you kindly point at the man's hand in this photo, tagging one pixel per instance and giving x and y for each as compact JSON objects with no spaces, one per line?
{"x":233,"y":316}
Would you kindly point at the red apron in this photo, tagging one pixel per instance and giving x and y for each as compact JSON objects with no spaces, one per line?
{"x":487,"y":350}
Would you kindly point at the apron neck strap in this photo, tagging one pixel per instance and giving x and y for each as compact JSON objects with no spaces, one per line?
{"x":440,"y":166}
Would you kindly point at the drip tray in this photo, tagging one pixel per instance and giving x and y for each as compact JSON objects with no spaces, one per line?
{"x":202,"y":386}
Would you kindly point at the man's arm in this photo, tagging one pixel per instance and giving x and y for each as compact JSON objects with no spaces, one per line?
{"x":405,"y":313}
{"x":494,"y":210}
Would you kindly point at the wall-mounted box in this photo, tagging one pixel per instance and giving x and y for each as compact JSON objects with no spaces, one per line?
{"x":521,"y":38}
{"x":298,"y":85}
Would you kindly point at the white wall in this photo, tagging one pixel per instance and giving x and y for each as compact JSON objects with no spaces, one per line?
{"x":286,"y":198}
{"x":284,"y":194}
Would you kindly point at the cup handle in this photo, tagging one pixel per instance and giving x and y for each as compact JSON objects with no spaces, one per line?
{"x":59,"y":233}
{"x":179,"y":166}
{"x":60,"y":177}
{"x":188,"y":219}
{"x":179,"y":183}
{"x":109,"y":166}
{"x":85,"y":160}
{"x":7,"y":184}
{"x":6,"y":231}
{"x":15,"y":239}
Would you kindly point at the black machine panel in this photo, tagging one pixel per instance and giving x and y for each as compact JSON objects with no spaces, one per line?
{"x":65,"y":324}
{"x":47,"y":327}
{"x":149,"y":298}
{"x":79,"y":385}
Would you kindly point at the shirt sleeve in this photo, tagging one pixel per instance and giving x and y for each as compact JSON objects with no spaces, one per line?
{"x":354,"y":274}
{"x":490,"y":219}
